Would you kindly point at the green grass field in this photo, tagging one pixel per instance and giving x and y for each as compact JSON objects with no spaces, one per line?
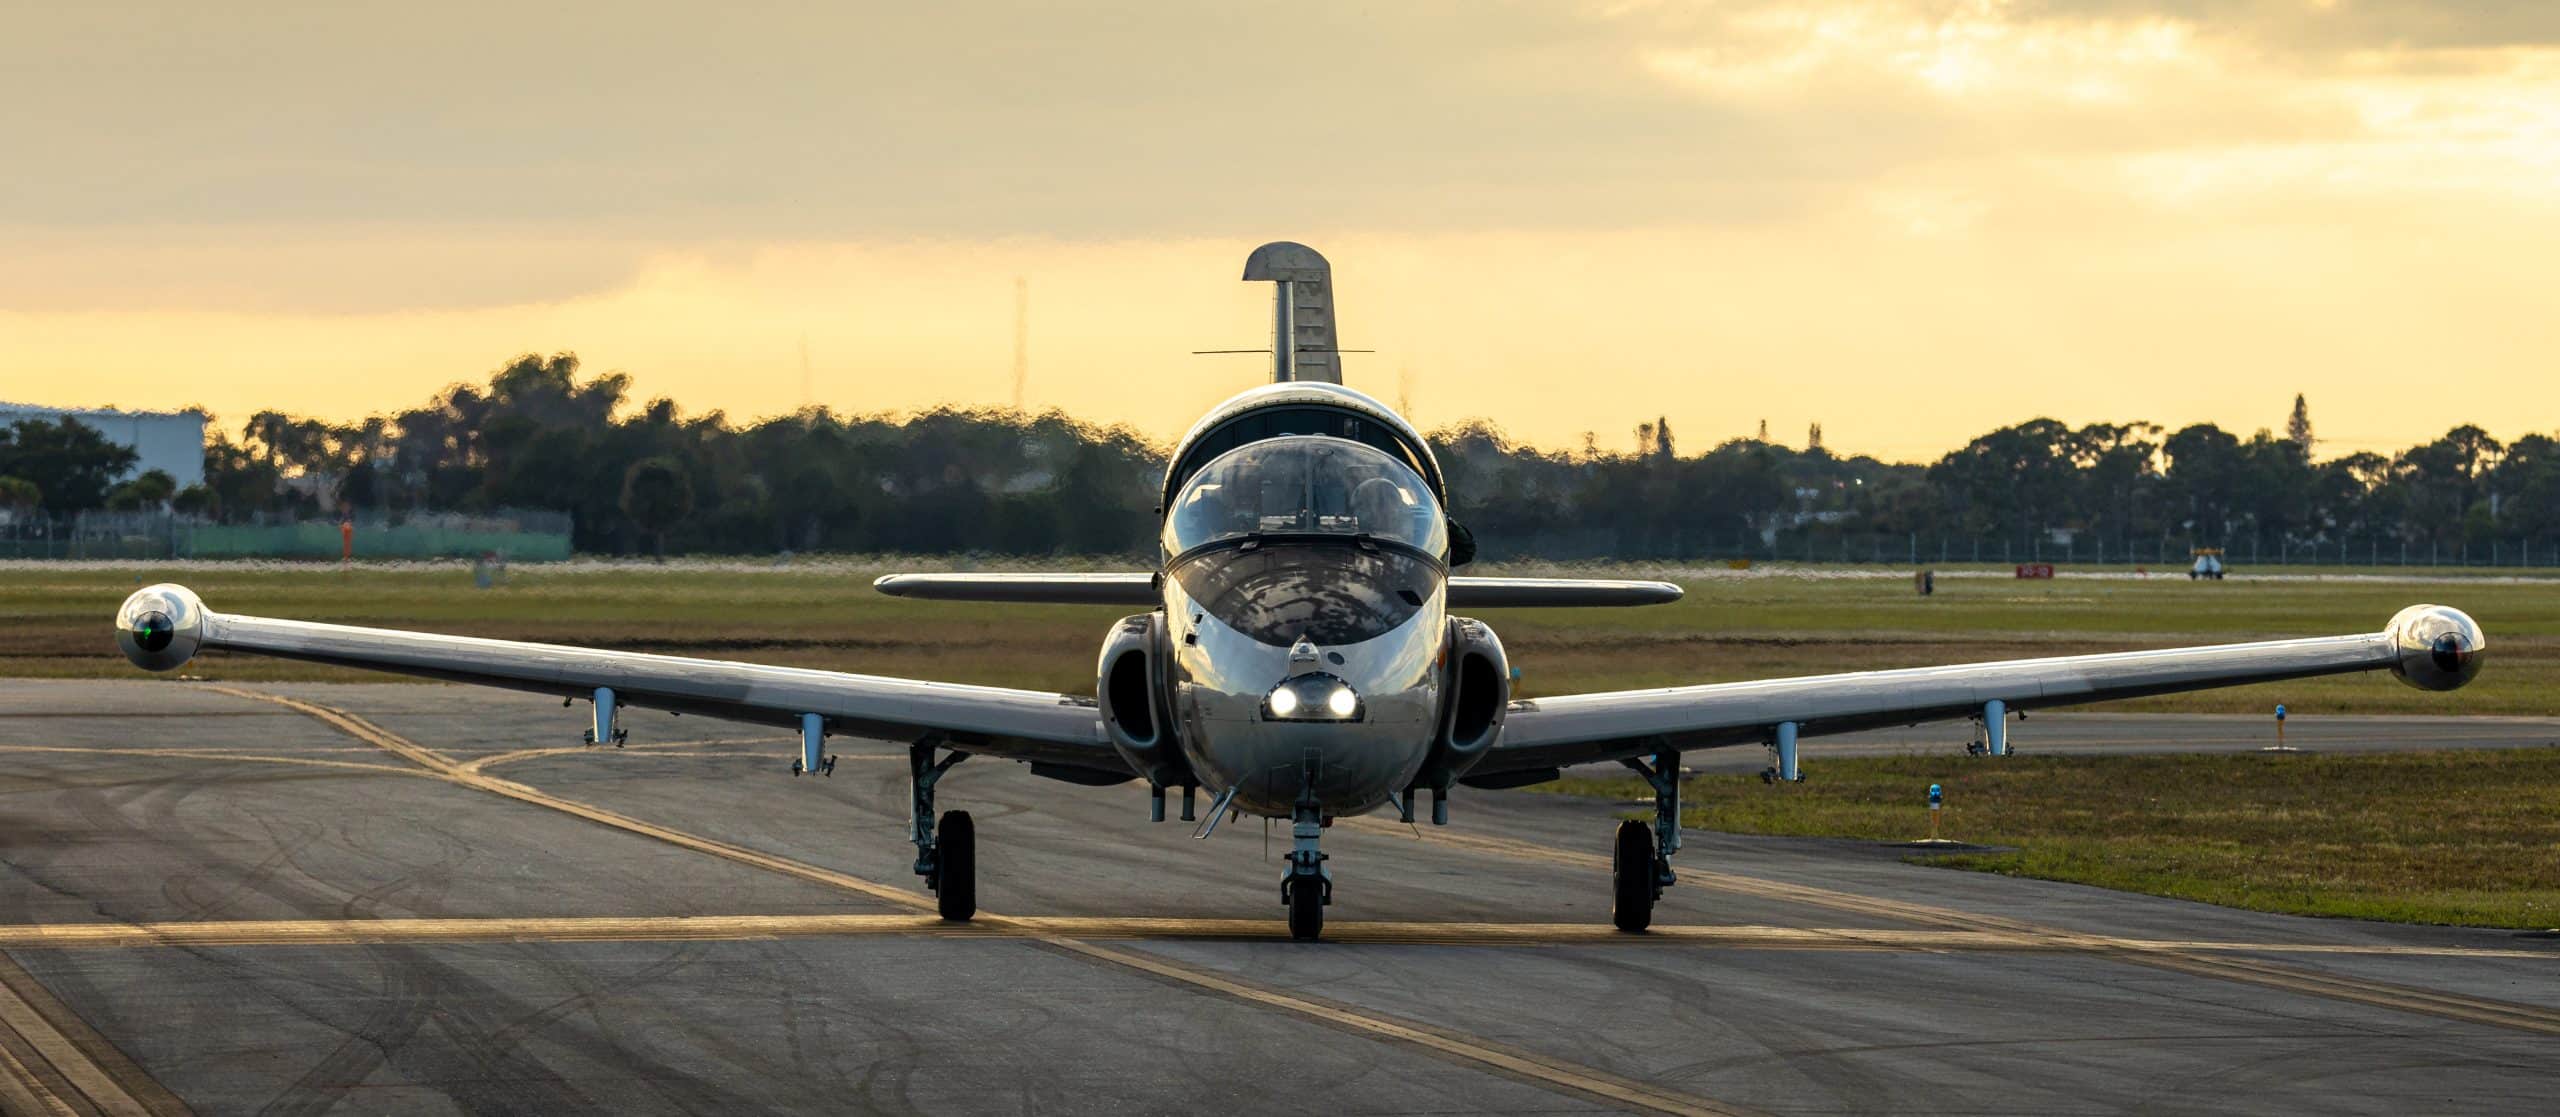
{"x":1728,"y":628}
{"x":2467,"y":838}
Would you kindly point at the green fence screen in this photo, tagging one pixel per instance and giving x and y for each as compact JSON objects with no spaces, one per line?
{"x":321,"y":541}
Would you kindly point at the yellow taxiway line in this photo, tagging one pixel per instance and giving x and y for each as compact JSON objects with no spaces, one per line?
{"x":1525,"y":1066}
{"x":217,"y":754}
{"x":51,"y":1063}
{"x":725,"y":745}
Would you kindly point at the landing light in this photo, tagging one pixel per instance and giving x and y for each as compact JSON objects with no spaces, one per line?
{"x":1314,"y":696}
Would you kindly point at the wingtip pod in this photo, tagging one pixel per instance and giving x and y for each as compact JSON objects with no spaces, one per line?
{"x":2439,"y":647}
{"x":160,"y":627}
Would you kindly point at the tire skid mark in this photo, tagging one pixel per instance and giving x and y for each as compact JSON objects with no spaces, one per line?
{"x":1521,"y":1066}
{"x":2511,"y":1015}
{"x":399,"y":1009}
{"x":400,"y":1002}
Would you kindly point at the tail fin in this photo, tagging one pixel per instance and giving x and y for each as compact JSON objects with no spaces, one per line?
{"x":1303,"y":345}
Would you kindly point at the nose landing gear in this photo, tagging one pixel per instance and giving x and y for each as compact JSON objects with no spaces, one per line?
{"x":1308,"y":887}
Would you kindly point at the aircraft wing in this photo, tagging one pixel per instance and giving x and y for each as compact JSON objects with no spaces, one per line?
{"x":2430,"y":646}
{"x":1138,"y":590}
{"x":1056,"y":730}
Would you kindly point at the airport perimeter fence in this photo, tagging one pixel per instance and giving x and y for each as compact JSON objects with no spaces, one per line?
{"x":1910,"y":550}
{"x":2172,"y":555}
{"x":516,"y":536}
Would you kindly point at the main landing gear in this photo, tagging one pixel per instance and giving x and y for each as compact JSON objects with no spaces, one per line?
{"x":1640,"y":866}
{"x":946,"y":856}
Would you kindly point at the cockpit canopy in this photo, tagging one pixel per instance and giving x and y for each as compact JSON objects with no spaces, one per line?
{"x":1306,"y":486}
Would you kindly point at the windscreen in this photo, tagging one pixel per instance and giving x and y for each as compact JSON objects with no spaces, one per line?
{"x":1306,"y":485}
{"x":1330,"y":593}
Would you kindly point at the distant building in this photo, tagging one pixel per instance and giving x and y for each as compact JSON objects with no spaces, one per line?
{"x":169,"y":441}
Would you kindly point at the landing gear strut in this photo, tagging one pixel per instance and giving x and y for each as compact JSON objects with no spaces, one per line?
{"x":1640,"y":866}
{"x":948,"y":862}
{"x":1308,"y":887}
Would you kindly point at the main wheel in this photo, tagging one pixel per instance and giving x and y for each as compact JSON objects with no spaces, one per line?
{"x":1632,"y":868}
{"x":955,"y":866}
{"x":1306,"y":908}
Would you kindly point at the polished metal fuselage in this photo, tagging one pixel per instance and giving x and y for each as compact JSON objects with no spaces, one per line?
{"x":1219,"y":677}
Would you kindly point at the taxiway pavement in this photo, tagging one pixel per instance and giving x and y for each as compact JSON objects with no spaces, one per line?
{"x":417,"y":899}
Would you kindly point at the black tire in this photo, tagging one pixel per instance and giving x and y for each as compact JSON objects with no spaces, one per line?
{"x":1306,"y":908}
{"x":955,"y":873}
{"x":1632,"y":870}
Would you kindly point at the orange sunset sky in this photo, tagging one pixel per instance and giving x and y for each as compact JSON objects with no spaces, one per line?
{"x":1908,"y":221}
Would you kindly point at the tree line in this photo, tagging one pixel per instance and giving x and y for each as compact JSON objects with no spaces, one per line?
{"x":643,"y":478}
{"x":65,"y":466}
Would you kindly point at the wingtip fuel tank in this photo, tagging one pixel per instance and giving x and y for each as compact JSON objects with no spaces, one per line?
{"x":2439,"y":647}
{"x":159,"y":627}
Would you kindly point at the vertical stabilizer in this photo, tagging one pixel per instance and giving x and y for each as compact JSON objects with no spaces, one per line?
{"x":1303,"y":345}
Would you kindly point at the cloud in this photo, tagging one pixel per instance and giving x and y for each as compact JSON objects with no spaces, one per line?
{"x":2317,"y":28}
{"x":2097,"y":208}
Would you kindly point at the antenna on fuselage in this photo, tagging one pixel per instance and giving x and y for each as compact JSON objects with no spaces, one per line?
{"x":1302,"y":335}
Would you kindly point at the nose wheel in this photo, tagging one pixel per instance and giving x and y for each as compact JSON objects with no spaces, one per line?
{"x":1308,"y":887}
{"x":1306,"y":898}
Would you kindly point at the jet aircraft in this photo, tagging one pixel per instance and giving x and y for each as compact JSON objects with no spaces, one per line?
{"x":1301,"y":654}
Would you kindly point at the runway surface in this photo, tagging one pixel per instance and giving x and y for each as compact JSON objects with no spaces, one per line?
{"x":414,"y":899}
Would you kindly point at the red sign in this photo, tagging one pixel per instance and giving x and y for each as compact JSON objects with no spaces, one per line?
{"x":2035,"y":570}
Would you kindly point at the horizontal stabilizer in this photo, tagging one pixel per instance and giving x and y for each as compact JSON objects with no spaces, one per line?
{"x":1524,"y":593}
{"x":1139,"y":589}
{"x":1136,"y":588}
